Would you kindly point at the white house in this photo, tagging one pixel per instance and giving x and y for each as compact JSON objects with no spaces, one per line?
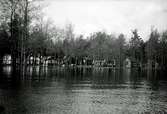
{"x":127,"y":63}
{"x":7,"y":60}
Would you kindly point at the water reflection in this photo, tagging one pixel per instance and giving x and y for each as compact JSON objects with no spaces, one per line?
{"x":7,"y":70}
{"x":50,"y":90}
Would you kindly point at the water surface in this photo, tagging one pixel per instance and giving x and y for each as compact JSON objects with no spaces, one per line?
{"x":57,"y":90}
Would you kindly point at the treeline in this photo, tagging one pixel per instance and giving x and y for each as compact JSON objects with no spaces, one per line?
{"x":25,"y":34}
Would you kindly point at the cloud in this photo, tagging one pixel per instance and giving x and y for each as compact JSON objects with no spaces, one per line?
{"x":118,"y":16}
{"x":164,"y":10}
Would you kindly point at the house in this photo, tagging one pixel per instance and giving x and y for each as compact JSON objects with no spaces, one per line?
{"x":99,"y":62}
{"x":152,"y":64}
{"x":7,"y":60}
{"x":111,"y":63}
{"x":127,"y":63}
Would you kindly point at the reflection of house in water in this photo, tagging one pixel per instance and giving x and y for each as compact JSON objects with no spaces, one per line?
{"x":7,"y":60}
{"x":7,"y":70}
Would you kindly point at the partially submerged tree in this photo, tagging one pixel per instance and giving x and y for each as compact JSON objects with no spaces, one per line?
{"x":4,"y":42}
{"x":18,"y":14}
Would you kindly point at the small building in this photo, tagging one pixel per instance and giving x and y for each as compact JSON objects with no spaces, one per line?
{"x":87,"y":61}
{"x":99,"y":63}
{"x":111,"y":63}
{"x":7,"y":60}
{"x":127,"y":63}
{"x":152,"y":64}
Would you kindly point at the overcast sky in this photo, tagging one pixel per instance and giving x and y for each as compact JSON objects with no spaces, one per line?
{"x":112,"y":16}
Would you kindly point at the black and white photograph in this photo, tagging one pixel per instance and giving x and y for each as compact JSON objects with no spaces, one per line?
{"x":83,"y":56}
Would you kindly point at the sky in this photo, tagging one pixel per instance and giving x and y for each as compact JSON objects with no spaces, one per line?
{"x":111,"y":16}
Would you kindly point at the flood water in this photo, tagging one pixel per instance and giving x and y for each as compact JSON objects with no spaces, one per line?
{"x":58,"y":90}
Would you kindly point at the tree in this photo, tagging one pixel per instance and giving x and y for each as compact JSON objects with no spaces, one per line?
{"x":8,"y":8}
{"x":121,"y":49}
{"x":135,"y":48}
{"x":4,"y":42}
{"x":162,"y":53}
{"x":40,"y":43}
{"x":99,"y":45}
{"x":17,"y":14}
{"x":152,"y":47}
{"x":80,"y":47}
{"x":68,"y":42}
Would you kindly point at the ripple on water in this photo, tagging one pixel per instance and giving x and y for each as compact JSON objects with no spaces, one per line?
{"x":93,"y":92}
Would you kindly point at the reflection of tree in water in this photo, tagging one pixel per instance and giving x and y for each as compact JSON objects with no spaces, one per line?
{"x":153,"y":78}
{"x":75,"y":87}
{"x":80,"y":75}
{"x":100,"y":76}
